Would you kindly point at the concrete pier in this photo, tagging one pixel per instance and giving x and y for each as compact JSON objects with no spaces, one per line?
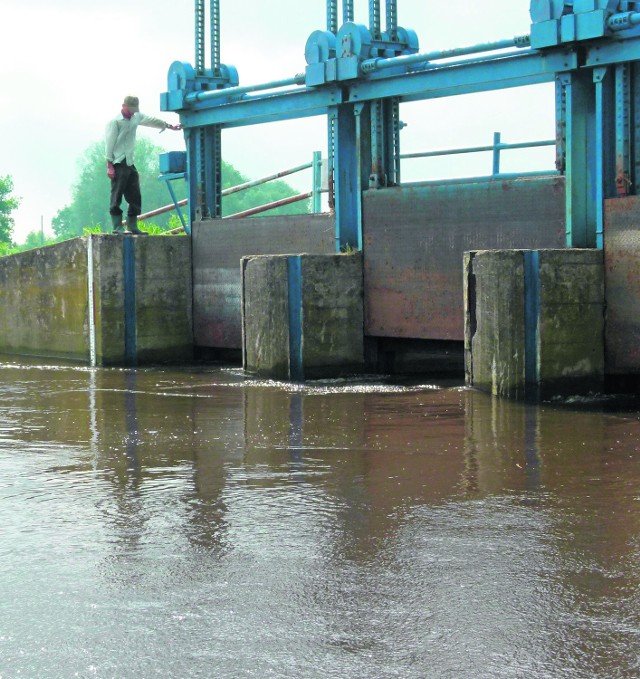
{"x":302,"y":316}
{"x":534,"y":322}
{"x":100,"y":299}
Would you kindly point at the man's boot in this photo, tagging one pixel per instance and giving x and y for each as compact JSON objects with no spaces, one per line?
{"x":132,"y":225}
{"x":116,"y":220}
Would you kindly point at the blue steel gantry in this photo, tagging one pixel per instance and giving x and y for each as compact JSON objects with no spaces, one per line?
{"x":358,"y":76}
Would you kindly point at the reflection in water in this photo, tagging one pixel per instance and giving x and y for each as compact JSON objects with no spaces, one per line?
{"x":195,"y":524}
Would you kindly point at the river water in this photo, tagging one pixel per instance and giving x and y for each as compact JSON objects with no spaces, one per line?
{"x":194,"y":523}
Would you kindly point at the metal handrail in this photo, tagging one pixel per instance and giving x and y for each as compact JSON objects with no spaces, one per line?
{"x":271,"y":206}
{"x":477,"y":149}
{"x":495,"y":148}
{"x":248,"y":185}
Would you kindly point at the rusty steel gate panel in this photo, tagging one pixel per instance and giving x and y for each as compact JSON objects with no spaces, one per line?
{"x":218,"y":246}
{"x":622,"y":284}
{"x":415,"y":237}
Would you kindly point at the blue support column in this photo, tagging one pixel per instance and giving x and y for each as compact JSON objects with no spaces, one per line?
{"x":192,"y":139}
{"x":496,"y":153}
{"x":623,"y":129}
{"x":204,"y":171}
{"x":604,"y":140}
{"x":332,"y":16}
{"x":385,"y":143}
{"x":317,"y":182}
{"x":392,"y":19}
{"x":374,"y":19}
{"x":635,"y":98}
{"x":199,"y":35}
{"x":212,"y":166}
{"x":581,"y":166}
{"x":347,"y":11}
{"x":348,"y":164}
{"x":331,"y":155}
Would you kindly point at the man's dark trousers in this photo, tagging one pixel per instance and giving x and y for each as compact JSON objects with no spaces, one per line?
{"x":125,"y":184}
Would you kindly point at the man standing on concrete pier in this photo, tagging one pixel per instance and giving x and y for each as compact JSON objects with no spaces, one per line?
{"x":120,"y":141}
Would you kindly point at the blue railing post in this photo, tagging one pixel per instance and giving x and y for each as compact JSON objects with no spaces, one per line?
{"x":317,"y":181}
{"x":496,"y":153}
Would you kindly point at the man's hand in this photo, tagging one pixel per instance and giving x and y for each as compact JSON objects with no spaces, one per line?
{"x":111,"y":171}
{"x":174,"y":127}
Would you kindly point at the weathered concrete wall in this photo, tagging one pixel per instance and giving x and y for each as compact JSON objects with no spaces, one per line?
{"x":44,"y":300}
{"x":332,"y":314}
{"x":303,"y":315}
{"x":534,"y":321}
{"x":45,"y":296}
{"x":218,"y":247}
{"x":622,"y":274}
{"x":571,"y":317}
{"x":415,"y":238}
{"x":164,"y":302}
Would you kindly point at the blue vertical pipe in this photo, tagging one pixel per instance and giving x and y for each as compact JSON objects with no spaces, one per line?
{"x":531,"y":317}
{"x":294,"y":288}
{"x":129,"y":271}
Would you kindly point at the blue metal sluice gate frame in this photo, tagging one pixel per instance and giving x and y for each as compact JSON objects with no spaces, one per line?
{"x":359,"y":76}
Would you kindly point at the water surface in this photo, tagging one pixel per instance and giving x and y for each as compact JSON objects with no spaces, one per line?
{"x":193,"y":523}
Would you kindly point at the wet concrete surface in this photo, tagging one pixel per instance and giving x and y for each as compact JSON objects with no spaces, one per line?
{"x":194,"y":523}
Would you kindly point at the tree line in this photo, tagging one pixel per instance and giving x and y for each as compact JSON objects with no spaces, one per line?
{"x":88,"y":211}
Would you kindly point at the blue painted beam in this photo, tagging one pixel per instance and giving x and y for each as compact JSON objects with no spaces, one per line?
{"x":479,"y":76}
{"x":523,"y":69}
{"x":266,"y":108}
{"x":605,"y":52}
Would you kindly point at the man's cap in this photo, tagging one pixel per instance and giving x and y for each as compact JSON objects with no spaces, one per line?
{"x":132,"y":103}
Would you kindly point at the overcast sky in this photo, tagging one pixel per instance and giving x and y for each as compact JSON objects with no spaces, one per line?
{"x":66,"y":66}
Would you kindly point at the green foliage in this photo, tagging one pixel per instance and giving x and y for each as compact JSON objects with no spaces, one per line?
{"x":6,"y":249}
{"x":348,"y":249}
{"x":90,"y":193}
{"x":34,"y":239}
{"x":8,"y":204}
{"x":153,"y":229}
{"x":258,"y":195}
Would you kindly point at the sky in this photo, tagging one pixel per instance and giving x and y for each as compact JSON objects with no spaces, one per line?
{"x":65,"y":67}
